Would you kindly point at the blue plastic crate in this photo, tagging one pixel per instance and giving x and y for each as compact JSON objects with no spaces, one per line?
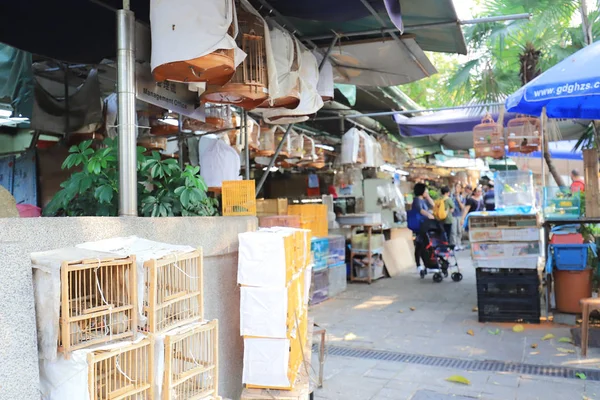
{"x":570,"y":257}
{"x":337,"y":249}
{"x":319,"y":246}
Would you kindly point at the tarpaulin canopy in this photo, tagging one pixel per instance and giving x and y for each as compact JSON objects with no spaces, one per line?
{"x":454,"y":129}
{"x":570,"y":89}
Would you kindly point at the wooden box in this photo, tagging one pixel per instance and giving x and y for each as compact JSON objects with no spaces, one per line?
{"x":98,"y":302}
{"x":173,"y":294}
{"x":125,"y":372}
{"x":192,"y":363}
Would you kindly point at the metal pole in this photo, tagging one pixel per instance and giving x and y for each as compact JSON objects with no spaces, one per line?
{"x":67,"y":109}
{"x":384,"y":113}
{"x":180,"y":141}
{"x":329,"y":49}
{"x":408,"y":28}
{"x":264,"y":176}
{"x":247,"y":144}
{"x":543,"y":126}
{"x":127,"y":116}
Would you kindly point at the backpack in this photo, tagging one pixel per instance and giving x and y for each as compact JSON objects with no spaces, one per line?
{"x":414,"y":220}
{"x":439,"y":210}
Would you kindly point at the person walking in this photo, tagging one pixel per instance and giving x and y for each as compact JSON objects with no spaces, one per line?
{"x":459,"y":206}
{"x":422,"y":204}
{"x":443,"y":210}
{"x":474,"y":203}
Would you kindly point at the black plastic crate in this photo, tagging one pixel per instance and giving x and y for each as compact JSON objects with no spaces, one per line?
{"x":513,"y":283}
{"x":495,"y":309}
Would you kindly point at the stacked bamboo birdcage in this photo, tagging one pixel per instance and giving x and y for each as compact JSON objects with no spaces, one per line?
{"x":140,"y":325}
{"x":488,"y":138}
{"x":524,"y":134}
{"x":274,"y":272}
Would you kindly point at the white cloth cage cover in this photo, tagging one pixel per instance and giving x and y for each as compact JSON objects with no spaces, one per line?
{"x":187,"y":29}
{"x":310,"y":101}
{"x":218,"y":162}
{"x":325,"y":86}
{"x":350,"y":146}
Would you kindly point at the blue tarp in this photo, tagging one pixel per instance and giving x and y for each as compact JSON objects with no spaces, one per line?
{"x":570,"y":89}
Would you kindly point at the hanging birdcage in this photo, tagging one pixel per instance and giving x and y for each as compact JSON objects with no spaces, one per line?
{"x":169,"y":27}
{"x":310,"y":154}
{"x":524,"y":134}
{"x":320,"y":160}
{"x":286,"y":55}
{"x":248,"y":87}
{"x":296,"y":145}
{"x":488,"y":140}
{"x":287,"y":146}
{"x":266,"y":143}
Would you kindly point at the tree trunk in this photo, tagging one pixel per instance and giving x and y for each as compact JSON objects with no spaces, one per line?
{"x":551,"y":167}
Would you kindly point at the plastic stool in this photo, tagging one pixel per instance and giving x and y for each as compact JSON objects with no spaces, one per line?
{"x":587,"y":306}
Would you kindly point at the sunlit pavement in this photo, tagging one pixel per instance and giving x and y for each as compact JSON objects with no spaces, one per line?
{"x":409,"y":315}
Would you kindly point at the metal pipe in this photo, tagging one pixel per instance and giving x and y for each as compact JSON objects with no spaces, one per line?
{"x":247,"y":144}
{"x":408,"y":28}
{"x":264,"y":176}
{"x":126,"y":115}
{"x":384,"y":113}
{"x":67,"y":108}
{"x":180,"y":141}
{"x":328,"y":53}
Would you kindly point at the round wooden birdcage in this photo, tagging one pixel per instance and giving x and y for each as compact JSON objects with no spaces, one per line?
{"x":524,"y":134}
{"x":215,"y":68}
{"x":488,"y":140}
{"x":248,"y":86}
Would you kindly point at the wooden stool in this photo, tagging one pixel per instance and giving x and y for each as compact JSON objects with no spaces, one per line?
{"x":587,"y":306}
{"x":322,"y":332}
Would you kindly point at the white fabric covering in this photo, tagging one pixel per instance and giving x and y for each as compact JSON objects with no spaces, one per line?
{"x":218,"y":162}
{"x":143,"y":250}
{"x":47,"y":291}
{"x":325,"y":86}
{"x":283,"y":54}
{"x":261,"y":259}
{"x":369,"y":149}
{"x":187,"y":29}
{"x":350,"y":146}
{"x":378,"y":153}
{"x":310,"y":101}
{"x":263,"y":312}
{"x":266,"y":362}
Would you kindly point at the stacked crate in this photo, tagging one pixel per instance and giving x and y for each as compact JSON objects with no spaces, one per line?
{"x":506,"y":254}
{"x":274,"y":272}
{"x":319,"y":290}
{"x":336,"y":262}
{"x":312,"y":216}
{"x":155,"y":304}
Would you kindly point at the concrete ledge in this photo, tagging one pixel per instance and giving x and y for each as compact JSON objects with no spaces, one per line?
{"x":19,"y":378}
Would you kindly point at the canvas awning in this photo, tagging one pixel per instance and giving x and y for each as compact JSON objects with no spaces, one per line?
{"x":454,"y":129}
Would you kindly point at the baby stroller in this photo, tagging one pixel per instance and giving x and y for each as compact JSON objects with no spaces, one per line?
{"x":437,"y":254}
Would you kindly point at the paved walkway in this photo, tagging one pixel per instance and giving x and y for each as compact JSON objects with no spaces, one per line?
{"x":408,"y":315}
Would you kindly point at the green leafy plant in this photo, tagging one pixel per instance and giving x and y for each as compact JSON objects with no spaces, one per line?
{"x":164,"y":189}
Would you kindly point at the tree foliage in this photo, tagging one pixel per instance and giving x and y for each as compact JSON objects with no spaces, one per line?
{"x":164,"y":189}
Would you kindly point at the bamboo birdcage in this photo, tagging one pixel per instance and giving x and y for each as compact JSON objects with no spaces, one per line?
{"x":192,"y":363}
{"x":125,"y":372}
{"x":488,"y":140}
{"x":215,"y":68}
{"x":266,"y":146}
{"x":287,"y":146}
{"x":173,"y":293}
{"x":152,"y":143}
{"x":523,"y":134}
{"x":239,"y":198}
{"x":296,"y":144}
{"x":320,"y":160}
{"x":309,"y":154}
{"x":248,"y":87}
{"x":98,"y":302}
{"x":292,"y":99}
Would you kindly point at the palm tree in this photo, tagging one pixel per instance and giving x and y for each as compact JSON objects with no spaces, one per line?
{"x":509,"y":55}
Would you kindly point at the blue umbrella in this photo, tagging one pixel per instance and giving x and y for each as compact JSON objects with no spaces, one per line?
{"x":570,"y":89}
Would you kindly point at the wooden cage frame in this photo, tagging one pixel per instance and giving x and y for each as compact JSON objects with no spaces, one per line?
{"x":166,"y":310}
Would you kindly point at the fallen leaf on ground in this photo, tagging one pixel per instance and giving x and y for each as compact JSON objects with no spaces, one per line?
{"x":475,"y":309}
{"x":534,"y":353}
{"x":470,"y":332}
{"x":565,"y":340}
{"x":401,"y":311}
{"x":459,"y":379}
{"x":518,"y":328}
{"x":566,"y":351}
{"x":581,"y":376}
{"x":350,"y":336}
{"x":548,"y":336}
{"x":534,"y":345}
{"x":496,"y":332}
{"x":412,"y":309}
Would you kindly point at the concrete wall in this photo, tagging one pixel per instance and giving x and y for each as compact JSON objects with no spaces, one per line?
{"x":19,"y":376}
